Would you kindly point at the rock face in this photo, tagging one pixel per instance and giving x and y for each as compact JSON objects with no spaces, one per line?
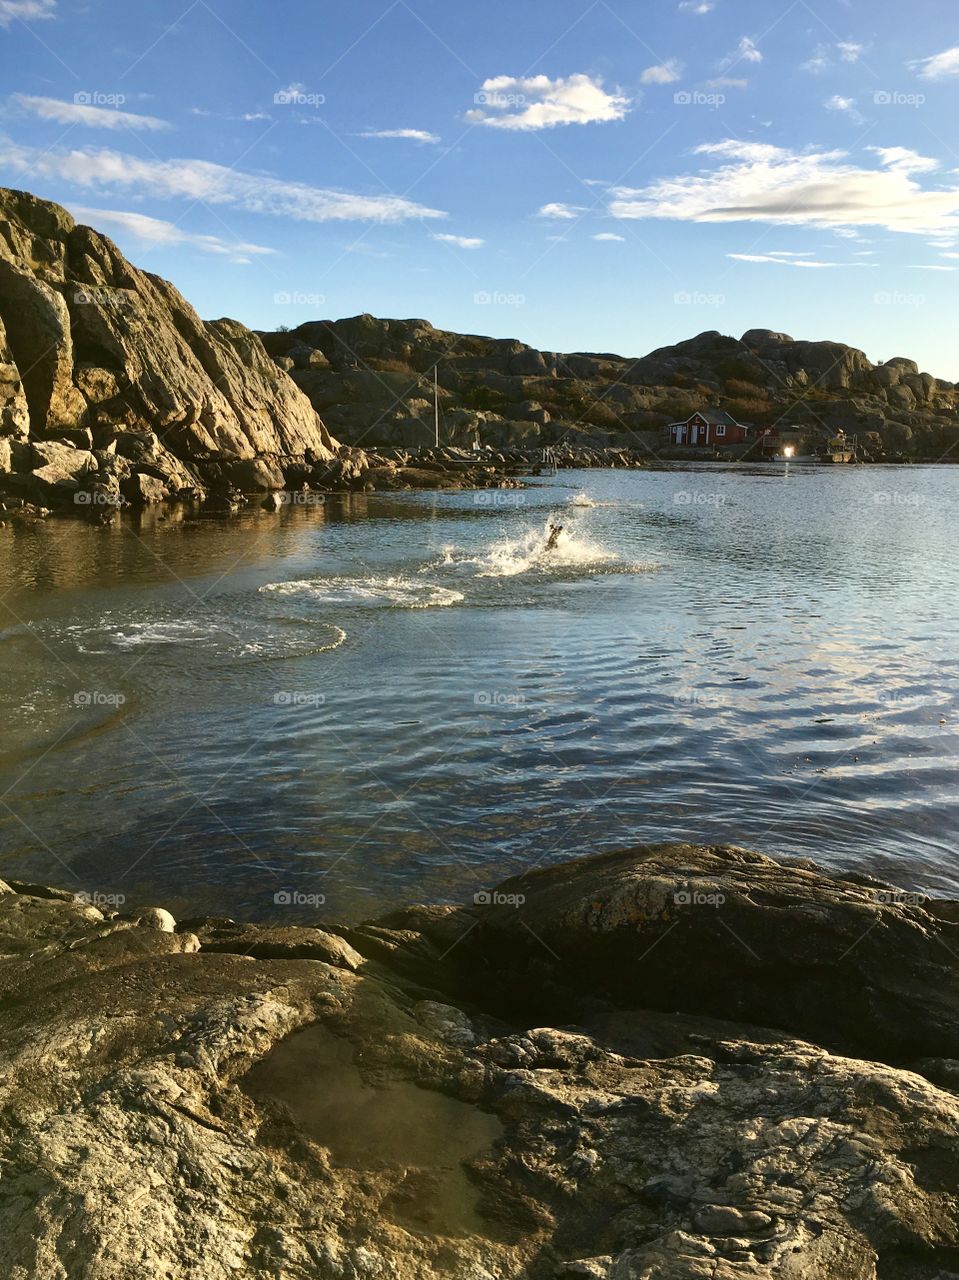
{"x":89,"y":343}
{"x":517,"y":1088}
{"x":373,"y":382}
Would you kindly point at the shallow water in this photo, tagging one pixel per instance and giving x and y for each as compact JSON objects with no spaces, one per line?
{"x":400,"y":698}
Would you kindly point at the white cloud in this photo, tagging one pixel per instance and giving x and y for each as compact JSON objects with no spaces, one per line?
{"x":846,"y":105}
{"x":746,"y":51}
{"x":818,"y":62}
{"x":90,"y":116}
{"x":939,"y":65}
{"x":696,"y":6}
{"x":904,"y":161}
{"x":505,"y":102}
{"x":562,"y":211}
{"x":758,"y":182}
{"x":413,"y":135}
{"x":664,"y":73}
{"x":849,"y":51}
{"x":25,"y":10}
{"x":608,"y":235}
{"x":788,"y":259}
{"x":922,"y":267}
{"x":208,"y":183}
{"x":822,"y":59}
{"x":161,"y":234}
{"x":461,"y":242}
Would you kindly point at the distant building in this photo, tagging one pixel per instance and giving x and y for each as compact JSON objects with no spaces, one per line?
{"x":708,"y":427}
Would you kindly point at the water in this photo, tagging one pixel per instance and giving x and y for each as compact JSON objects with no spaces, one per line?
{"x":400,"y":698}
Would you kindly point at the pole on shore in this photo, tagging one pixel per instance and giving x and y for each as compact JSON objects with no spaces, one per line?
{"x":436,"y":401}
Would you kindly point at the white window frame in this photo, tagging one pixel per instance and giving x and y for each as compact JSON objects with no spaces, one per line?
{"x":720,"y":429}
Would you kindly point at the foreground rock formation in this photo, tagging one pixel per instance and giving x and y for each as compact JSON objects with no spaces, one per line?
{"x":638,"y":1066}
{"x":372,"y":380}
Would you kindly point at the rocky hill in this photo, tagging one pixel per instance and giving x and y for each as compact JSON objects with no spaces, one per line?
{"x":372,"y":380}
{"x":110,"y":381}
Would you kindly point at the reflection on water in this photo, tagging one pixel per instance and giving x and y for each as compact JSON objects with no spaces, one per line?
{"x":406,"y":698}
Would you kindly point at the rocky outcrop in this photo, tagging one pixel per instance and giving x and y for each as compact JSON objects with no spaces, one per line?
{"x":91,"y":345}
{"x":606,"y":1069}
{"x":373,"y":382}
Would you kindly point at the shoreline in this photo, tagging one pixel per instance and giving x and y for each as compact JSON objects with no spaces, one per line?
{"x":749,"y":1066}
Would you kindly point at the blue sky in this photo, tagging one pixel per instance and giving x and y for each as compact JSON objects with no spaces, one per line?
{"x":584,"y":176}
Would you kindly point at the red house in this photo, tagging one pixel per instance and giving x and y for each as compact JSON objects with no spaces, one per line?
{"x":708,"y":427}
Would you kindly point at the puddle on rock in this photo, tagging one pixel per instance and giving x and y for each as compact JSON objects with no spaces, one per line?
{"x":427,"y":1134}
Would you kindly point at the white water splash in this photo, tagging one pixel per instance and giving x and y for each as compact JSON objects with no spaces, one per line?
{"x":528,"y":553}
{"x":372,"y":592}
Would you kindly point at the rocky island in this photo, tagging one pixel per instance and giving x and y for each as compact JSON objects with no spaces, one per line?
{"x":667,"y":1062}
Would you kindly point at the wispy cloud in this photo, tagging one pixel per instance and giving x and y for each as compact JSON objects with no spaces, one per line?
{"x":758,"y":182}
{"x":506,"y":102}
{"x":664,"y":73}
{"x":161,"y":234}
{"x":89,"y":116}
{"x":745,"y":51}
{"x":26,"y":10}
{"x":413,"y":135}
{"x":609,"y":235}
{"x":846,"y":51}
{"x":939,"y":65}
{"x":560,"y":211}
{"x":208,"y":183}
{"x":787,"y":259}
{"x":845,"y":105}
{"x":461,"y":242}
{"x":696,"y":6}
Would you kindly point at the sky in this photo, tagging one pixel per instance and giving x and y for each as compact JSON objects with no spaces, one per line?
{"x":584,"y":176}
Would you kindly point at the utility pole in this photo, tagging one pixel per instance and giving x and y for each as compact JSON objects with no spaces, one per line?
{"x":436,"y":401}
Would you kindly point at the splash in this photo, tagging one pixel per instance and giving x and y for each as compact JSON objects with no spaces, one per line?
{"x":527,"y":553}
{"x":369,"y":593}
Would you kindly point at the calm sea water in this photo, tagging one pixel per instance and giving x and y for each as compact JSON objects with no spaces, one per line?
{"x":399,"y":698}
